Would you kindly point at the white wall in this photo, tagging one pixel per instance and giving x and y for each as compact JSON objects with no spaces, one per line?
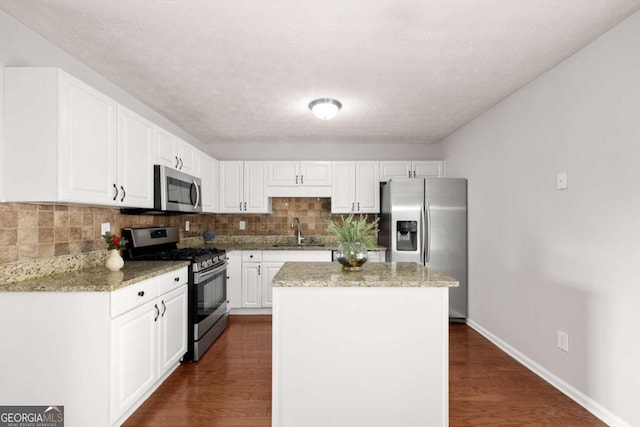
{"x":542,"y":259}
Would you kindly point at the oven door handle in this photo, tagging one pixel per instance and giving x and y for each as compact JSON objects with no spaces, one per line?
{"x":203,"y":276}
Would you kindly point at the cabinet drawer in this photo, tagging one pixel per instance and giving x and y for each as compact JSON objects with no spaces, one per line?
{"x":172,"y":280}
{"x":251,"y":256}
{"x":133,"y":296}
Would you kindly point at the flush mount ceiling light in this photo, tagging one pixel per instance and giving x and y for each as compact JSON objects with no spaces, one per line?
{"x":325,"y":108}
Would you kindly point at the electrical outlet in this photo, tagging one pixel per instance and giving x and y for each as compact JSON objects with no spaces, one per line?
{"x":187,"y":226}
{"x":242,"y":225}
{"x":563,"y":341}
{"x":105,"y":228}
{"x":561,"y":181}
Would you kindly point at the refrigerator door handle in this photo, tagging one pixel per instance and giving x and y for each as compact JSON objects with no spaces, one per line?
{"x":428,"y":245}
{"x":422,"y":235}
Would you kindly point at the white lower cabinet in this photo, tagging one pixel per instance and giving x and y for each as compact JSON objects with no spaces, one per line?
{"x":251,"y":285}
{"x":253,"y":293}
{"x":269,"y":269}
{"x":98,"y":353}
{"x":147,"y":341}
{"x":134,"y":340}
{"x":234,"y":279}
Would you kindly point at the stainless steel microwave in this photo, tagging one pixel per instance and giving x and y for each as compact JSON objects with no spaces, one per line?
{"x":176,"y":191}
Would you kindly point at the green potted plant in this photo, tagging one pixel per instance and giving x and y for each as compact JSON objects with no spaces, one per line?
{"x":355,"y":236}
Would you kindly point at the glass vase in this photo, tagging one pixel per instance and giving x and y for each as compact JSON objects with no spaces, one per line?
{"x":352,"y":255}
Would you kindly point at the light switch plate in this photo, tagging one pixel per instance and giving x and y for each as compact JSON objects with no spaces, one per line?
{"x":242,"y":225}
{"x":561,"y":181}
{"x":105,"y":228}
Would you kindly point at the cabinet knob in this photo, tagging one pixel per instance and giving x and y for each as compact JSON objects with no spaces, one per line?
{"x":141,"y":293}
{"x":176,"y":279}
{"x":250,"y":256}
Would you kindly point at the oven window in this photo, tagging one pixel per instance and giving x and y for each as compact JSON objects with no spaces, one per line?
{"x":211,"y":294}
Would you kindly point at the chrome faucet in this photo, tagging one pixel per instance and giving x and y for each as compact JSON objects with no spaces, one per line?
{"x":295,"y":221}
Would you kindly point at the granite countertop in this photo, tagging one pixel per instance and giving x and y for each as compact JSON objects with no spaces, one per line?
{"x":374,"y":274}
{"x":95,"y":279}
{"x":280,"y":247}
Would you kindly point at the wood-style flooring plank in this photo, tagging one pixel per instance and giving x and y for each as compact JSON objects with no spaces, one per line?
{"x":231,"y":386}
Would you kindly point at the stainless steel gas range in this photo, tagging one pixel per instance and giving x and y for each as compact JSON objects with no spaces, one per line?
{"x":207,"y":281}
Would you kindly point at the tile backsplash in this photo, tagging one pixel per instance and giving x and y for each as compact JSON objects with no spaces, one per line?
{"x":33,"y":231}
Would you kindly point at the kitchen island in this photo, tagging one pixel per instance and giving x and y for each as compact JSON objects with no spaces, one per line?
{"x":360,"y":348}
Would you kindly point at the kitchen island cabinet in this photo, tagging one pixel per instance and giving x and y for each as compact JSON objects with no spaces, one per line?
{"x":96,"y":342}
{"x":360,"y":348}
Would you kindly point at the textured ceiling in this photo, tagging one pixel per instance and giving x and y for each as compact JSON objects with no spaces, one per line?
{"x":405,"y":71}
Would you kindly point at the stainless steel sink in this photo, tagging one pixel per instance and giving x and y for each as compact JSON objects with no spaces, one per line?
{"x":296,"y":245}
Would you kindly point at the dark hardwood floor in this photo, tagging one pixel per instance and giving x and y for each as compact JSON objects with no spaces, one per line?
{"x":231,"y":386}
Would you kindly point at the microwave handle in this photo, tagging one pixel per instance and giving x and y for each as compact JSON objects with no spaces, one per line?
{"x":195,"y":205}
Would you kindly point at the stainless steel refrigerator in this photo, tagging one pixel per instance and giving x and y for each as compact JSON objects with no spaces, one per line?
{"x":425,"y":221}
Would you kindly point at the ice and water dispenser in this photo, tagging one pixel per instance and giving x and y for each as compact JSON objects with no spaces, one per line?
{"x":407,"y":236}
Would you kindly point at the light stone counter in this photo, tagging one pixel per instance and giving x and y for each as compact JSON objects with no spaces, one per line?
{"x":94,"y":279}
{"x":374,"y":274}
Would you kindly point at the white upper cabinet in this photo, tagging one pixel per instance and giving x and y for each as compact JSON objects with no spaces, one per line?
{"x":292,"y":173}
{"x":135,"y":159}
{"x":254,"y":190}
{"x":66,"y":142}
{"x":356,"y":187}
{"x":283,"y":173}
{"x":173,"y":152}
{"x":411,"y":169}
{"x":242,"y":187}
{"x":428,"y":168}
{"x":60,"y":139}
{"x":231,"y":185}
{"x":208,"y":169}
{"x":299,"y":179}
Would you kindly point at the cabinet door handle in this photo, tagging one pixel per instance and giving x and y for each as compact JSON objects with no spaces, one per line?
{"x":141,"y":293}
{"x":157,"y":312}
{"x":358,"y":206}
{"x":259,"y":270}
{"x":245,"y":206}
{"x":164,"y":308}
{"x":409,"y":174}
{"x":177,"y":162}
{"x":124,"y":193}
{"x":301,"y":179}
{"x":181,"y":164}
{"x":240,"y":206}
{"x":296,"y":179}
{"x":414,"y":174}
{"x":353,"y":207}
{"x":115,"y":196}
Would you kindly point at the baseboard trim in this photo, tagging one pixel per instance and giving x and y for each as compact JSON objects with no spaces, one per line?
{"x":580,"y":398}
